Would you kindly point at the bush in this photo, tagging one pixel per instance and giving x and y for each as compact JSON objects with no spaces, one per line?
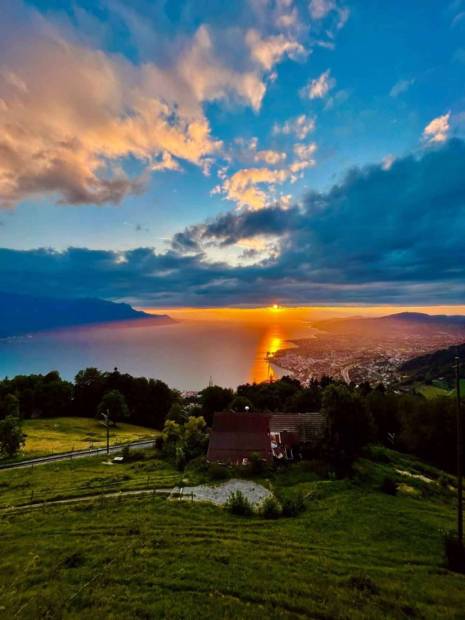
{"x":389,"y":486}
{"x":257,"y":464}
{"x":218,"y":472}
{"x":271,"y":508}
{"x":454,"y":552}
{"x":238,"y":504}
{"x":364,"y":584}
{"x":293,"y":506}
{"x":198,"y":465}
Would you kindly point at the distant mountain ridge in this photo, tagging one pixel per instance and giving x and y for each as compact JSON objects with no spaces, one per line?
{"x":22,"y":314}
{"x":398,"y":321}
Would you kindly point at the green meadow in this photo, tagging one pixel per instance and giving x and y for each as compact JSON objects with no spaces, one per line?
{"x":51,"y":435}
{"x":355,"y":552}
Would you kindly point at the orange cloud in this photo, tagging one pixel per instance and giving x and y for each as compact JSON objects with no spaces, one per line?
{"x":71,"y":114}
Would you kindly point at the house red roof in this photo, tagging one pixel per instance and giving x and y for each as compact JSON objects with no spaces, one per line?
{"x":235,"y":436}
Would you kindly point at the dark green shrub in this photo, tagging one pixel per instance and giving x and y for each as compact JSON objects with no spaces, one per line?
{"x":74,"y":560}
{"x":257,"y":465}
{"x":364,"y":584}
{"x":455,"y":553}
{"x":271,"y":508}
{"x":293,"y":506}
{"x":126,"y":453}
{"x":199,"y":464}
{"x":218,"y":472}
{"x":238,"y":504}
{"x":389,"y":486}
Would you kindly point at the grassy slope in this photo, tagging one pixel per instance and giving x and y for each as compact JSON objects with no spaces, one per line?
{"x":147,"y":557}
{"x":83,"y":476}
{"x":48,"y":435}
{"x":432,"y":391}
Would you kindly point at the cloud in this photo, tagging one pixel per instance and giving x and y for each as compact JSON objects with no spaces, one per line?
{"x":401,"y":87}
{"x":437,"y":130}
{"x":254,"y":188}
{"x":72,"y":115}
{"x":244,"y":186}
{"x":246,"y":151}
{"x":321,"y":9}
{"x":270,"y":50}
{"x":379,"y":236}
{"x":300,"y":126}
{"x":319,"y":87}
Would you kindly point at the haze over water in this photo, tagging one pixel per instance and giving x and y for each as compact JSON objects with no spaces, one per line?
{"x":228,"y":345}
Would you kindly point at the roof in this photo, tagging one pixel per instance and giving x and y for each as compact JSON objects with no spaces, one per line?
{"x":308,"y":426}
{"x":235,"y":436}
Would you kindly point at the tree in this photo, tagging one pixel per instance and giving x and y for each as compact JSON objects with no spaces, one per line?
{"x":212,"y":399}
{"x":11,"y":436}
{"x":9,"y":406}
{"x":349,"y":425}
{"x":89,"y":388}
{"x":194,"y":437}
{"x":177,"y":413}
{"x":114,"y":404}
{"x":241,"y":403}
{"x":185,"y":441}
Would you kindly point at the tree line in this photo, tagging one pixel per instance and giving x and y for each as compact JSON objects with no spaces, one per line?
{"x":356,"y":414}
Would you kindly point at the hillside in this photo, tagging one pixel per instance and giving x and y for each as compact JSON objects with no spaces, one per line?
{"x":436,"y":365}
{"x":51,"y":435}
{"x":400,"y":322}
{"x":354,"y":553}
{"x":22,"y":314}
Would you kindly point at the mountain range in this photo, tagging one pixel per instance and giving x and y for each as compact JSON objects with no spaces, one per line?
{"x":23,"y":314}
{"x":400,"y":321}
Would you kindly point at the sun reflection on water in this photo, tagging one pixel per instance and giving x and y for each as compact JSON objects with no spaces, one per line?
{"x":270,"y":342}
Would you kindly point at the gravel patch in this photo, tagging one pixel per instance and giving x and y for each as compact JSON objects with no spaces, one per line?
{"x":219,"y":494}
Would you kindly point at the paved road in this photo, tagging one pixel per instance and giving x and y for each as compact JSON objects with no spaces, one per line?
{"x":64,"y":456}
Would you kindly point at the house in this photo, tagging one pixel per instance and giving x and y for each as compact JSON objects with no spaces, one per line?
{"x":235,"y":436}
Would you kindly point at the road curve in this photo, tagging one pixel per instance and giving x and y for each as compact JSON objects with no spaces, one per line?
{"x":64,"y":456}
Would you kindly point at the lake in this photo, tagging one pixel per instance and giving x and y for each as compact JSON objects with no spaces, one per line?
{"x":230,"y":346}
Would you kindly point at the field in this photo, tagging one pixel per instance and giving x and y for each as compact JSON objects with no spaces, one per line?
{"x":83,"y":476}
{"x":438,"y":388}
{"x":354,"y":553}
{"x":51,"y":435}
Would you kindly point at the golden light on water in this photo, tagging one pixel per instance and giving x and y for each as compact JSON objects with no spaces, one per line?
{"x":271,"y":341}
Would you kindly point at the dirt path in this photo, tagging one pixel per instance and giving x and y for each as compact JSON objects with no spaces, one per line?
{"x":215,"y":494}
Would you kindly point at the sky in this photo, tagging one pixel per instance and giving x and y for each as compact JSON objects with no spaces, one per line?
{"x":185,"y":153}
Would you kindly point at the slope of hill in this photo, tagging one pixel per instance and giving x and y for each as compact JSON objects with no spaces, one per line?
{"x":436,"y":365}
{"x":354,"y":553}
{"x":22,"y":314}
{"x":400,"y":322}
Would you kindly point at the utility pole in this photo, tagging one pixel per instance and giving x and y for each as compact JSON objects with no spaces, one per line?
{"x":459,"y":455}
{"x":106,"y":418}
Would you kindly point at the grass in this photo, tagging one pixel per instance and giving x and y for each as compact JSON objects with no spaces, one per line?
{"x":83,"y":476}
{"x":51,"y":435}
{"x":354,"y":553}
{"x":438,"y":388}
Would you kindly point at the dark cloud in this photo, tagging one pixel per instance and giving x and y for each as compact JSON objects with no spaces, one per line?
{"x":380,"y":236}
